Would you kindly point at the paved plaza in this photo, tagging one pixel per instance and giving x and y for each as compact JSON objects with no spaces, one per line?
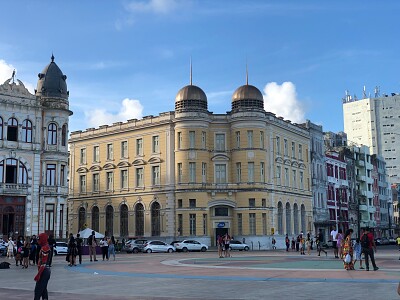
{"x":246,"y":275}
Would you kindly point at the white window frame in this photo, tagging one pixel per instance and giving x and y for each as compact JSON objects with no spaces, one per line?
{"x":139,"y":177}
{"x":156,"y":144}
{"x":220,"y":142}
{"x":249,"y":138}
{"x":221,"y":176}
{"x":124,"y":149}
{"x":110,"y":151}
{"x":139,"y":147}
{"x":250,"y":172}
{"x":192,"y":139}
{"x":192,"y":172}
{"x":156,"y":175}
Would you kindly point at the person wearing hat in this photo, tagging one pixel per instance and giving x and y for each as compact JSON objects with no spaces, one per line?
{"x":43,"y":275}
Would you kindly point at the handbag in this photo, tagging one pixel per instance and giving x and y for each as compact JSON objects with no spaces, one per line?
{"x":347,"y":258}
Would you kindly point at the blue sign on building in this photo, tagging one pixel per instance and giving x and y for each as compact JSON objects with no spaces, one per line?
{"x":221,"y":224}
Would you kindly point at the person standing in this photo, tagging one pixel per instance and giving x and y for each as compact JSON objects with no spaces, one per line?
{"x":25,"y":254}
{"x":227,"y":241}
{"x":52,"y":244}
{"x":339,"y":243}
{"x":320,"y":242}
{"x":92,"y":246}
{"x":221,"y":246}
{"x":273,"y":243}
{"x":32,"y":253}
{"x":287,"y":242}
{"x":43,"y":275}
{"x":10,"y":248}
{"x":347,"y":250}
{"x":368,"y":248}
{"x":72,"y":250}
{"x":104,"y":247}
{"x":334,"y":241}
{"x":79,"y":244}
{"x":111,"y":247}
{"x":293,"y":244}
{"x":358,"y":251}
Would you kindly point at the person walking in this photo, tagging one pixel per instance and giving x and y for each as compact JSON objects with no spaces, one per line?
{"x":72,"y":250}
{"x":347,"y":250}
{"x":334,"y":241}
{"x":79,"y":245}
{"x":104,"y":247}
{"x":273,"y":243}
{"x":287,"y":243}
{"x":339,"y":243}
{"x":368,"y":248}
{"x":320,"y":242}
{"x":358,"y":251}
{"x":92,"y":246}
{"x":43,"y":275}
{"x":111,"y":247}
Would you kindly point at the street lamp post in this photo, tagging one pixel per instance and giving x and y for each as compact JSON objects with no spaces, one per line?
{"x":390,"y":223}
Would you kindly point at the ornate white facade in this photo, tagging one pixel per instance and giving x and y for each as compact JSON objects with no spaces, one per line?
{"x":34,"y":155}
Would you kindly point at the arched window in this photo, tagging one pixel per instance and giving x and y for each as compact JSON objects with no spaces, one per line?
{"x":27,"y":131}
{"x":1,"y":128}
{"x":139,"y":222}
{"x":303,"y":218}
{"x":64,"y":135}
{"x":288,"y":219}
{"x":280,"y":218}
{"x":155,"y":219}
{"x":296,"y":218}
{"x":82,"y":218}
{"x":52,"y":134}
{"x":95,"y":218}
{"x":12,"y":130}
{"x":22,"y":174}
{"x":109,"y":220}
{"x":13,"y":171}
{"x":123,"y":220}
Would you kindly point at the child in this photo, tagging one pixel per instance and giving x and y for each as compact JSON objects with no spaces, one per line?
{"x":357,"y":251}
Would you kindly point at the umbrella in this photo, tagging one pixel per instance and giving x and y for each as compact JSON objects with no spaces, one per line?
{"x":88,"y":232}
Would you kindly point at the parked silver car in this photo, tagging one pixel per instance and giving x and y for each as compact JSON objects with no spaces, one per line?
{"x":237,"y":245}
{"x":190,"y":245}
{"x":158,"y":246}
{"x":60,"y":248}
{"x":135,"y":246}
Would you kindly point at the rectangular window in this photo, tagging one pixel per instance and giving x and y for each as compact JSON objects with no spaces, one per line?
{"x":203,"y":140}
{"x":192,"y":224}
{"x":293,"y":150}
{"x":180,"y":224}
{"x":203,"y":172}
{"x":110,"y":152}
{"x":294,"y":178}
{"x":250,"y":138}
{"x":240,"y":224}
{"x":220,"y":142}
{"x":82,"y":183}
{"x":139,"y":177}
{"x":124,"y":179}
{"x":264,"y":223}
{"x":110,"y":181}
{"x":238,"y":139}
{"x":252,"y":224}
{"x":250,"y":169}
{"x":192,"y":203}
{"x":96,"y":182}
{"x":96,"y":154}
{"x":285,"y":147}
{"x":278,"y":175}
{"x":192,"y":139}
{"x":124,"y":149}
{"x":51,"y":174}
{"x":156,"y":144}
{"x":179,"y":203}
{"x":139,"y":147}
{"x":278,"y":146}
{"x":156,"y":175}
{"x":262,"y":140}
{"x":179,"y":172}
{"x":62,"y":176}
{"x":286,"y":177}
{"x":192,"y":172}
{"x":179,"y":139}
{"x":252,"y":202}
{"x":220,"y":173}
{"x":238,"y":172}
{"x":264,"y":202}
{"x":262,"y":171}
{"x":300,"y":152}
{"x":302,"y":180}
{"x":83,"y":156}
{"x":49,"y":218}
{"x":205,"y":224}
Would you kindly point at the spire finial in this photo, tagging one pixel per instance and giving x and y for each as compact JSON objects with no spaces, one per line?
{"x":191,"y":73}
{"x":13,"y":76}
{"x":52,"y":57}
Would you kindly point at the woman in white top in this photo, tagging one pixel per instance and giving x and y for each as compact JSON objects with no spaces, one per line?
{"x":10,"y":248}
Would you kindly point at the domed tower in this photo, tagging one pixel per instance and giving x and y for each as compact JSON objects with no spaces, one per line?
{"x":247,"y":97}
{"x":191,"y":98}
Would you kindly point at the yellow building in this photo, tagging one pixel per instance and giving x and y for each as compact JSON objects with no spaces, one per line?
{"x":192,"y":173}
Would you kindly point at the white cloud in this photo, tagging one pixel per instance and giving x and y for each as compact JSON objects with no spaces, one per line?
{"x":6,"y":71}
{"x":130,"y":109}
{"x":282,"y":101}
{"x":153,"y":6}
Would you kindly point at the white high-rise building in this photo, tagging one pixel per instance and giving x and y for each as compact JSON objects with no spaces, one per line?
{"x":375,"y":122}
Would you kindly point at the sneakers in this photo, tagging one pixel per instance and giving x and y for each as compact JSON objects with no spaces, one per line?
{"x":362,"y":268}
{"x":376,"y":269}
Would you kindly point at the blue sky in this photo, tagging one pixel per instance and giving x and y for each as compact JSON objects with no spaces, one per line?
{"x":127,"y":59}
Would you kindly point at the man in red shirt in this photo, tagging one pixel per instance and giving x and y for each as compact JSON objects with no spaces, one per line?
{"x":368,"y":248}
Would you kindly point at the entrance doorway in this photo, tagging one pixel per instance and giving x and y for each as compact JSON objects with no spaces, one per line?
{"x":220,"y":232}
{"x":8,"y":221}
{"x":12,"y":215}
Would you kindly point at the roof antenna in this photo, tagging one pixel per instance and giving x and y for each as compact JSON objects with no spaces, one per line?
{"x":191,"y":76}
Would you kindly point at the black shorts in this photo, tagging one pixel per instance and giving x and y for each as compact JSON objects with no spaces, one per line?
{"x":334,"y":244}
{"x":226,"y":247}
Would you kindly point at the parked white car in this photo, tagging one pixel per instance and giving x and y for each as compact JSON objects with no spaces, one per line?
{"x":236,"y":245}
{"x":158,"y":246}
{"x":60,"y":248}
{"x":190,"y":245}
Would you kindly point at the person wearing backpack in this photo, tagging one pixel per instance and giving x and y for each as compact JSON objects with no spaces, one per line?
{"x":368,"y":248}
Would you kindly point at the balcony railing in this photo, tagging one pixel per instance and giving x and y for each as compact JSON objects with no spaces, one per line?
{"x":53,"y":190}
{"x":14,"y":188}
